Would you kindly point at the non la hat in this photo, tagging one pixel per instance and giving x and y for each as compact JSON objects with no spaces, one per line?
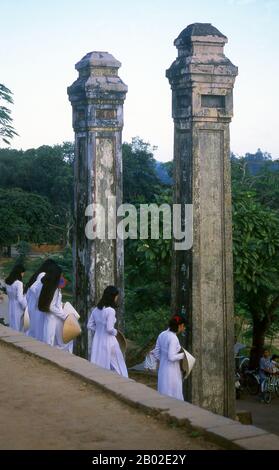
{"x":26,"y":320}
{"x":68,"y":308}
{"x":187,"y":362}
{"x":71,"y":327}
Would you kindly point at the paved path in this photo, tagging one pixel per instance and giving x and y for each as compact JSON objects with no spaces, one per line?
{"x":43,"y":407}
{"x":264,"y":416}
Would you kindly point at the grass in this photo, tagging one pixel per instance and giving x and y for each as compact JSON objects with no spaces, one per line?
{"x":31,"y":265}
{"x":195,"y":434}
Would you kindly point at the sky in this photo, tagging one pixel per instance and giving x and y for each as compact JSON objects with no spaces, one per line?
{"x":41,"y":41}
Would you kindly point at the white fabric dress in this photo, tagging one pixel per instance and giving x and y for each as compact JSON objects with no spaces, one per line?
{"x":169,"y":375}
{"x":17,"y":305}
{"x":53,"y":324}
{"x":105,"y":350}
{"x":37,"y":318}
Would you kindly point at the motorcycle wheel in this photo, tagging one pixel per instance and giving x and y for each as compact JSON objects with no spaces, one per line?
{"x":267,"y":397}
{"x":252,"y":385}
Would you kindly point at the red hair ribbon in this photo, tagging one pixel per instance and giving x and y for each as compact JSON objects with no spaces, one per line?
{"x":177,"y":318}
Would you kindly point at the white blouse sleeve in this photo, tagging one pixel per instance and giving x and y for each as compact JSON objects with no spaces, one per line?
{"x":110,"y":322}
{"x":91,"y":324}
{"x":173,"y":355}
{"x":20,"y":297}
{"x":56,"y":306}
{"x":156,"y":352}
{"x":40,"y":276}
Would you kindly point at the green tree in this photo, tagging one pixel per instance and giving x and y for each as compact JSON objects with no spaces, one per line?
{"x":147,"y":286}
{"x":145,"y":325}
{"x":25,"y":217}
{"x":147,"y":262}
{"x":256,"y":258}
{"x":266,"y":185}
{"x":140,"y":181}
{"x":7,"y":131}
{"x":46,"y":171}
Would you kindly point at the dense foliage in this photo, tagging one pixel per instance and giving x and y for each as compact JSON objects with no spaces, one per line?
{"x":36,"y":206}
{"x":147,"y":262}
{"x":36,"y":192}
{"x":24,"y":216}
{"x":256,"y":248}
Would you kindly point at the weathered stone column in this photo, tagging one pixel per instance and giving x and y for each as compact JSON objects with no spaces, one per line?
{"x":97,"y":98}
{"x":202,"y":80}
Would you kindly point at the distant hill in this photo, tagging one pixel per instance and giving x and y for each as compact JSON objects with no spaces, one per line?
{"x":257,"y":161}
{"x":256,"y":166}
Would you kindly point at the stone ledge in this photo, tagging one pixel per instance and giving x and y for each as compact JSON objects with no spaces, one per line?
{"x":235,"y":433}
{"x":266,"y":442}
{"x":224,"y":431}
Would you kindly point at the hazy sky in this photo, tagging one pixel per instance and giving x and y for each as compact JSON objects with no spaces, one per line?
{"x":40,"y":42}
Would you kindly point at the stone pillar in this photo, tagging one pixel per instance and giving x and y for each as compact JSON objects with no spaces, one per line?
{"x":97,"y":98}
{"x":202,"y":80}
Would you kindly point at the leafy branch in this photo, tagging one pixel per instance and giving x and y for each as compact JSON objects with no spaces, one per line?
{"x":7,"y":131}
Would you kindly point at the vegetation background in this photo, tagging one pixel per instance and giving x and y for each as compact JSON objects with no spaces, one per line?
{"x":36,"y":203}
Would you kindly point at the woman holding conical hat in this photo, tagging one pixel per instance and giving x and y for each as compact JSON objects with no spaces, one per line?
{"x":167,"y":352}
{"x":105,"y":350}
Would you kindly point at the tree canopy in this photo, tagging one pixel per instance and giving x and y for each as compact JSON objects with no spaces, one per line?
{"x":45,"y":172}
{"x":256,"y":249}
{"x":24,"y":216}
{"x":7,"y":131}
{"x":140,"y":180}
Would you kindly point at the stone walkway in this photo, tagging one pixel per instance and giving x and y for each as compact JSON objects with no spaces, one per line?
{"x":43,"y":407}
{"x":264,"y":416}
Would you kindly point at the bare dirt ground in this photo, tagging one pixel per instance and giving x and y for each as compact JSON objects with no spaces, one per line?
{"x":43,"y":407}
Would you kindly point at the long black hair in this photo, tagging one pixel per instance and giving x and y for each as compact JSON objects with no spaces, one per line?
{"x":44,"y":268}
{"x":108,"y":297}
{"x":175,"y":321}
{"x":50,"y":283}
{"x":15,"y":274}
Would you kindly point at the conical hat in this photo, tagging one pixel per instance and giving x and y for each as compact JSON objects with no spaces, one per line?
{"x":68,"y":308}
{"x":26,"y":319}
{"x":122,"y":341}
{"x":71,"y":328}
{"x":187,"y":363}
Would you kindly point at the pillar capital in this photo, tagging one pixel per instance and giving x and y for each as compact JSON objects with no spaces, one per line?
{"x":98,"y":94}
{"x":202,"y":77}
